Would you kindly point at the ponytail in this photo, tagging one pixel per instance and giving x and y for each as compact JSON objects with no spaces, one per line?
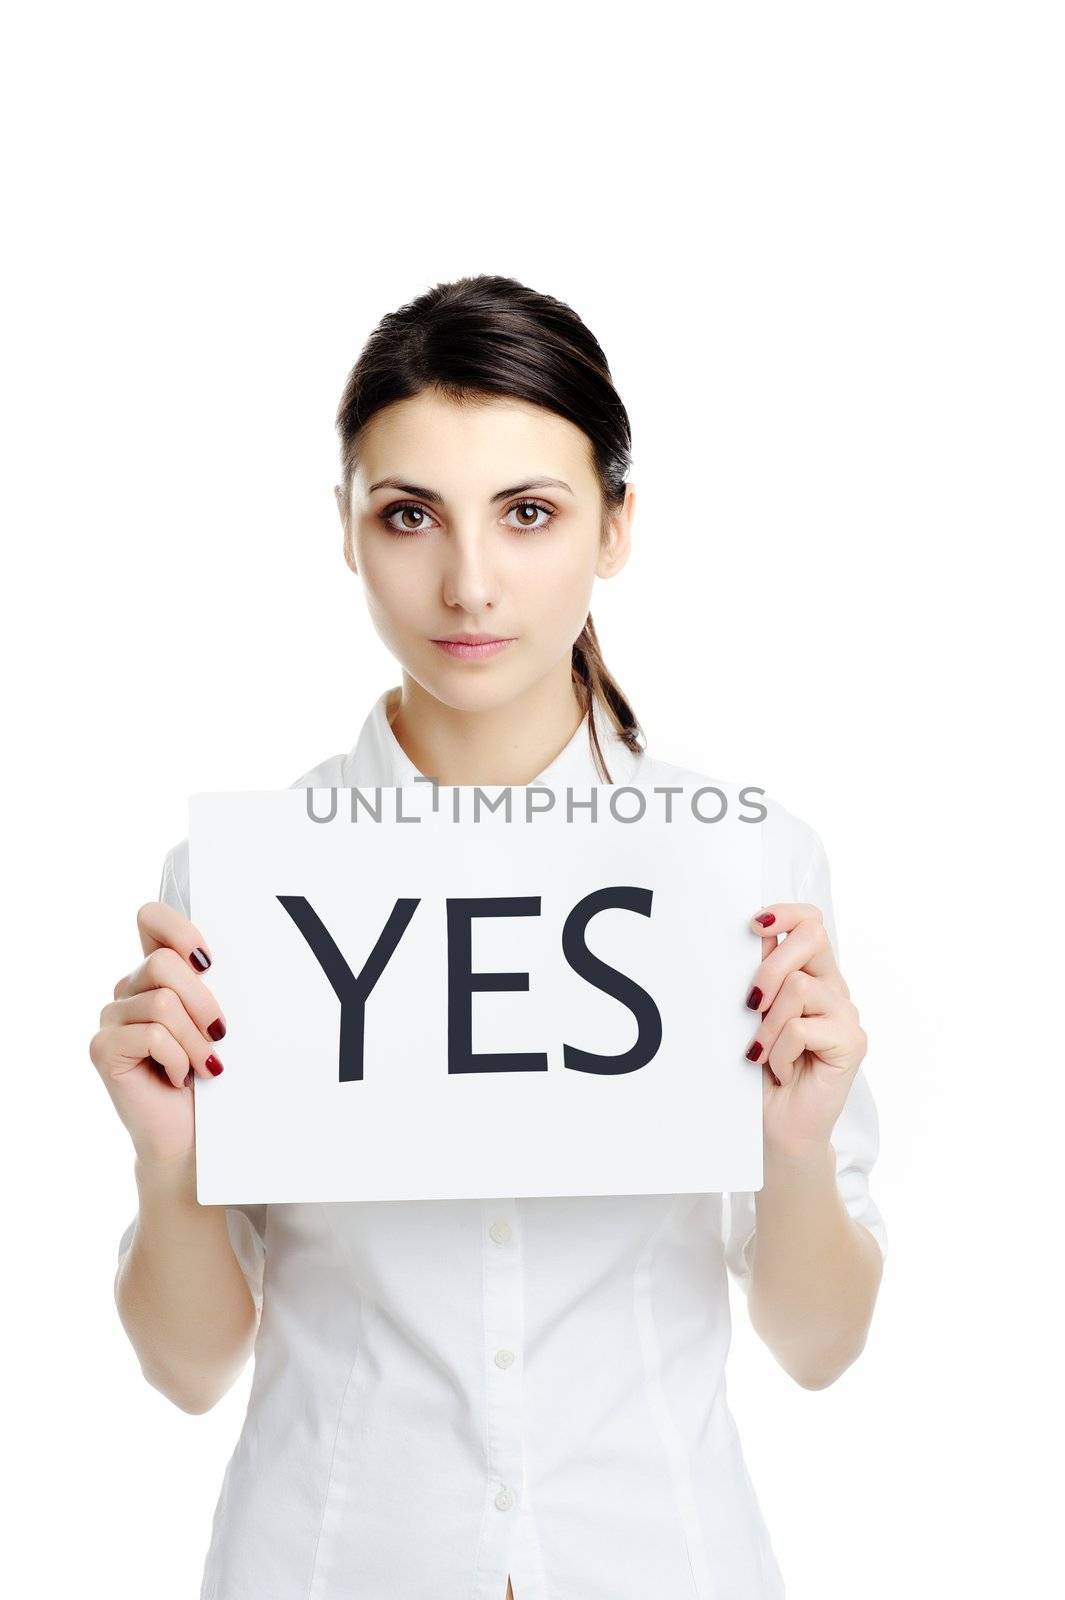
{"x":594,"y":682}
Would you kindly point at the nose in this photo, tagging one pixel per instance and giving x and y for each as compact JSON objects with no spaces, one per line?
{"x":469,"y":582}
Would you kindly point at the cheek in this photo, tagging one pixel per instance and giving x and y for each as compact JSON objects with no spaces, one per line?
{"x":557,"y":579}
{"x":394,"y":576}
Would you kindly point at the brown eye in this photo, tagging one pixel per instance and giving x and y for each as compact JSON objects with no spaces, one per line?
{"x":523,"y":508}
{"x":407,"y":510}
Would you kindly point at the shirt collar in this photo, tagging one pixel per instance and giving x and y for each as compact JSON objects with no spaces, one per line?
{"x":378,"y":758}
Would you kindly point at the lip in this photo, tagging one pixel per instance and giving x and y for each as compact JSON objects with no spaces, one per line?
{"x":472,"y":646}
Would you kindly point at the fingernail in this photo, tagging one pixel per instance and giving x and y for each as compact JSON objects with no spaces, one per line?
{"x":754,"y":1000}
{"x":213,"y":1065}
{"x":755,"y":1051}
{"x":767,"y":920}
{"x":217,"y":1030}
{"x":200,"y":959}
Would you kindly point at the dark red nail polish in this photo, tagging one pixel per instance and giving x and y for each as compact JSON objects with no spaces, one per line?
{"x":200,"y":959}
{"x":755,"y":1051}
{"x":767,"y":921}
{"x":213,"y":1065}
{"x":754,"y":1000}
{"x":217,"y":1030}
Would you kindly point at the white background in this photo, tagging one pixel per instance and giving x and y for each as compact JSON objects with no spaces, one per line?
{"x":821,"y":245}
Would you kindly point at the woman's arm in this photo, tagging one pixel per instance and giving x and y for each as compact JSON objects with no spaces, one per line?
{"x":815,"y":1272}
{"x":181,"y":1293}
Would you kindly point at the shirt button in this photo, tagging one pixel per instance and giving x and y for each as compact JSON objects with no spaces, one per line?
{"x":500,"y":1231}
{"x":505,"y":1499}
{"x":504,"y":1358}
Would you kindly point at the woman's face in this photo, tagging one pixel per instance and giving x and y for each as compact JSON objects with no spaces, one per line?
{"x":490,"y":524}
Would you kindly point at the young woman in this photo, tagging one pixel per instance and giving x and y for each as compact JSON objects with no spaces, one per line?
{"x":509,"y":1399}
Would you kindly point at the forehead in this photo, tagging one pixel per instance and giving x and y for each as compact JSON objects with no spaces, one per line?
{"x":472,"y":445}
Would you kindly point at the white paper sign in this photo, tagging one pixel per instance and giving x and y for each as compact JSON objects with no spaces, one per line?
{"x":425,"y":998}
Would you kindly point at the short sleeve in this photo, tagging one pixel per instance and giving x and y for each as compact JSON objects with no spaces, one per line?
{"x":174,"y":881}
{"x":246,"y":1224}
{"x":856,"y":1135}
{"x":247,"y":1235}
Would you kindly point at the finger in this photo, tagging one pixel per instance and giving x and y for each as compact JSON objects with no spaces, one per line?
{"x":797,"y":1036}
{"x":782,"y":916}
{"x":785,"y":918}
{"x":164,"y":1005}
{"x":165,"y":969}
{"x":806,"y":946}
{"x":764,"y":922}
{"x":800,"y":994}
{"x":159,"y":924}
{"x":144,"y":1041}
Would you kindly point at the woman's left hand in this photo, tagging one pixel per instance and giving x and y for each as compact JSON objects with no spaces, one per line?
{"x":809,"y":1040}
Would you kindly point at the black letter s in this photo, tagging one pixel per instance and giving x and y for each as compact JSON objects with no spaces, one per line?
{"x":600,"y":976}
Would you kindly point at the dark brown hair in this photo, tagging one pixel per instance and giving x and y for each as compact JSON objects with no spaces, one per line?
{"x":487,"y":335}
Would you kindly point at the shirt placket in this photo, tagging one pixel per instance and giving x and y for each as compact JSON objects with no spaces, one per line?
{"x":504,"y":1525}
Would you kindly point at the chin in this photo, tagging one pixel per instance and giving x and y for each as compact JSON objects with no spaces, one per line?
{"x":465,"y":685}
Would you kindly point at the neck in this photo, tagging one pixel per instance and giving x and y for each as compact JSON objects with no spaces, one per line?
{"x":503,"y":744}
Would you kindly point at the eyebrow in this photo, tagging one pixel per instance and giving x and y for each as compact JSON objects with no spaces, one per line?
{"x":435,"y":498}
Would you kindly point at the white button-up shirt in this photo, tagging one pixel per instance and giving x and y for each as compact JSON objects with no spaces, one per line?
{"x":446,"y":1392}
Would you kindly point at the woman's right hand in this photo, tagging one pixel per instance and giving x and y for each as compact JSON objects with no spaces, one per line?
{"x":159,"y":1029}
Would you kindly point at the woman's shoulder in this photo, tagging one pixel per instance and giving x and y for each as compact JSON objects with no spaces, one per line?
{"x":174,"y":883}
{"x":328,"y":774}
{"x":792,"y":850}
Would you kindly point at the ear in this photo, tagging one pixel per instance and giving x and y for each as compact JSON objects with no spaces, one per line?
{"x":349,"y":553}
{"x":614,"y":551}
